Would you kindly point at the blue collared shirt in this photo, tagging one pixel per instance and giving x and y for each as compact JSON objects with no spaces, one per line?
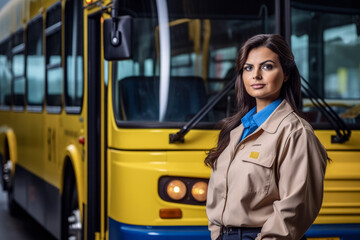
{"x":252,"y":120}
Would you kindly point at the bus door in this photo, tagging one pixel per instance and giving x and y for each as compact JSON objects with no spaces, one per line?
{"x":96,"y":130}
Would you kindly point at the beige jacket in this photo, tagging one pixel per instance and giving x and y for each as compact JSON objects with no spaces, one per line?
{"x":273,"y":179}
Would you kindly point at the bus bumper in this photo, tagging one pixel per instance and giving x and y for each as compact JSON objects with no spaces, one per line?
{"x":119,"y":230}
{"x":334,"y":231}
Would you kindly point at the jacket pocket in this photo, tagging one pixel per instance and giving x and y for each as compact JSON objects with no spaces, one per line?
{"x":262,"y":159}
{"x":259,"y":168}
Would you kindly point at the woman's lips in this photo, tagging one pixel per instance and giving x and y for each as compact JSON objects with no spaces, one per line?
{"x":257,"y":86}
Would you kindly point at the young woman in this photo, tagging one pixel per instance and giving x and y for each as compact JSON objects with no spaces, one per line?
{"x":268,"y":167}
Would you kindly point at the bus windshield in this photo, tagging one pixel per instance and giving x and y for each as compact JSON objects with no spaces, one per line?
{"x":325,"y":40}
{"x":183,"y":53}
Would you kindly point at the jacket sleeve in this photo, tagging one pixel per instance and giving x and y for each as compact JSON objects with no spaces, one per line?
{"x":301,"y":170}
{"x":215,"y":230}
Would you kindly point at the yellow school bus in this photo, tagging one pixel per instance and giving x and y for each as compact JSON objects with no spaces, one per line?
{"x":107,"y":108}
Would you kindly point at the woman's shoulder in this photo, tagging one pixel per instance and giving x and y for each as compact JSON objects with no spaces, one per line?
{"x":294,"y":123}
{"x":299,"y":130}
{"x":284,"y":118}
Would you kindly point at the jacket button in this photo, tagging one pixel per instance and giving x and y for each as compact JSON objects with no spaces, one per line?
{"x":242,"y":146}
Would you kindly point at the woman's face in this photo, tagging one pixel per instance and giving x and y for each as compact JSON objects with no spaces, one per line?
{"x":263,"y":76}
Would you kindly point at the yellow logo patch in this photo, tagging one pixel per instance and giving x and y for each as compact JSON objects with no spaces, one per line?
{"x":254,"y":155}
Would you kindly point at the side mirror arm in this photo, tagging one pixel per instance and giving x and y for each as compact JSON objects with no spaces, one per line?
{"x":115,"y":34}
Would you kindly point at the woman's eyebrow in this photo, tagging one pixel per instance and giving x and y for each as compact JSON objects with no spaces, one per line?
{"x":268,"y":60}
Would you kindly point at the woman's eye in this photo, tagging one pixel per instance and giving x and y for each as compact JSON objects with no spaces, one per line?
{"x":247,"y":68}
{"x":267,"y":67}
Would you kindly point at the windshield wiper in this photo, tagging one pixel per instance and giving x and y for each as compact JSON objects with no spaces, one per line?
{"x":343,"y":132}
{"x":179,"y":136}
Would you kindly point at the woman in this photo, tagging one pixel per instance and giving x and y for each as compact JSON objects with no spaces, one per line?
{"x":268,"y":167}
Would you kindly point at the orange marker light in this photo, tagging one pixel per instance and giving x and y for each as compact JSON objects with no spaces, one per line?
{"x":88,"y":1}
{"x":171,"y":213}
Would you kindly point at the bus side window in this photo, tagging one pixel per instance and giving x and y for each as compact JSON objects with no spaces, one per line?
{"x":35,"y":65}
{"x":18,"y":70}
{"x":74,"y":86}
{"x":5,"y":75}
{"x":54,"y":72}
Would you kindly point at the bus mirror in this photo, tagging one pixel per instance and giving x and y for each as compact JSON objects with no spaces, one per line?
{"x":117,"y":38}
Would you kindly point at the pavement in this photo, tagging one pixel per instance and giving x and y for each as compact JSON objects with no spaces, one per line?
{"x":19,"y":228}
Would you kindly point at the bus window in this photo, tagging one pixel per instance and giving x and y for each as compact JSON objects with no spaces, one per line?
{"x":5,"y":75}
{"x":54,"y":72}
{"x":18,"y":70}
{"x":35,"y":65}
{"x":74,"y":86}
{"x":324,"y":45}
{"x":203,"y":40}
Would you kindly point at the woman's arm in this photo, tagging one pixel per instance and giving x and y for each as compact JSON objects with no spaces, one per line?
{"x":215,"y":231}
{"x":301,"y":173}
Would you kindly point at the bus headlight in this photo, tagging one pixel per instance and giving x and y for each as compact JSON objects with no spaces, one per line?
{"x":176,"y":189}
{"x":184,"y":190}
{"x":199,"y":191}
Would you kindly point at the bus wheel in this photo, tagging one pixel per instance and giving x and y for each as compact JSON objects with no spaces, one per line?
{"x":71,"y":218}
{"x":74,"y":225}
{"x":14,"y":208}
{"x":6,"y":175}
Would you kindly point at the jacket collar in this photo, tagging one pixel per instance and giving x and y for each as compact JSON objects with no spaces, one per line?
{"x":271,"y":124}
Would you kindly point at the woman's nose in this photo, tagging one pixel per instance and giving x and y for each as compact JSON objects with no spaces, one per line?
{"x":257,"y":75}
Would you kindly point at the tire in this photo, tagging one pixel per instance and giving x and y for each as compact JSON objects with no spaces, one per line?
{"x":71,"y":220}
{"x":6,"y":177}
{"x":2,"y":171}
{"x":7,"y":183}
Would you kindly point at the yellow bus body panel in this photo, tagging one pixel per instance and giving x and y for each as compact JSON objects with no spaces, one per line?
{"x":352,"y":145}
{"x":341,"y":188}
{"x":133,"y":192}
{"x":147,"y":139}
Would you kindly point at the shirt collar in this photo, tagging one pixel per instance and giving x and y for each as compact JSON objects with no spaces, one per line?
{"x":261,"y":116}
{"x":247,"y":120}
{"x":270,"y":125}
{"x":252,"y":118}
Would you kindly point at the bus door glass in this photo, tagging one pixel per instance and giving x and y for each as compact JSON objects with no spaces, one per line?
{"x":183,"y":53}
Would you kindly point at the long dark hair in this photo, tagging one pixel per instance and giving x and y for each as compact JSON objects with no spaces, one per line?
{"x":290,"y":91}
